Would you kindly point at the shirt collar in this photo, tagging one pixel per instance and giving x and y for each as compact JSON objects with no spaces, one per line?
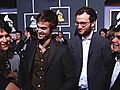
{"x":117,"y":58}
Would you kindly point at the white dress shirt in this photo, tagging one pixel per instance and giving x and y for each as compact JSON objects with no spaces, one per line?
{"x":83,"y":78}
{"x":116,"y":71}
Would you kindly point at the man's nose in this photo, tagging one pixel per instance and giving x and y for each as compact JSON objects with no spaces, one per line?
{"x":79,"y":26}
{"x":114,"y":39}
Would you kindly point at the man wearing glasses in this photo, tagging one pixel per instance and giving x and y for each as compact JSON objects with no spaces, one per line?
{"x":91,"y":52}
{"x":47,"y":64}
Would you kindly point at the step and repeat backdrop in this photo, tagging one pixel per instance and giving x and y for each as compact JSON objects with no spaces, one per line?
{"x":27,"y":10}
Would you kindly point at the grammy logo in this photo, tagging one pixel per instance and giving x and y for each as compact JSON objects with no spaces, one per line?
{"x":60,"y":16}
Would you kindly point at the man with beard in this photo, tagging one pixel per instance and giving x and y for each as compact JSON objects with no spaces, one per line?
{"x":9,"y":62}
{"x":91,"y":52}
{"x":47,"y":64}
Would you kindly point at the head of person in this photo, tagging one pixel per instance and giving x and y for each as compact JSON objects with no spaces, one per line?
{"x":28,"y":32}
{"x":110,"y":33}
{"x":60,"y":34}
{"x":5,"y":38}
{"x":85,"y":19}
{"x":116,"y":40}
{"x":103,"y":32}
{"x":18,"y":35}
{"x":47,"y":21}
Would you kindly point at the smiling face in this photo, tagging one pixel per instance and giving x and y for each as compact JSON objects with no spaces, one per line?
{"x":116,"y":42}
{"x":83,"y":24}
{"x":43,"y":30}
{"x":4,"y":40}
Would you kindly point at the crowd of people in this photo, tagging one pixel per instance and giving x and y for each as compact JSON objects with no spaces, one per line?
{"x":87,"y":61}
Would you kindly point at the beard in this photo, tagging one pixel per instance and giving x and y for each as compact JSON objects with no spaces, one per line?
{"x":87,"y":31}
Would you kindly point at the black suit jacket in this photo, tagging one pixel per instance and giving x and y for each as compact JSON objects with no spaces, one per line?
{"x":99,"y":58}
{"x":60,"y":74}
{"x":116,"y":85}
{"x":65,"y":41}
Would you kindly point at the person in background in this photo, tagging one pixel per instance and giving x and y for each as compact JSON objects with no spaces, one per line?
{"x":115,"y":72}
{"x":103,"y":32}
{"x":30,"y":35}
{"x":47,"y":64}
{"x":91,"y":52}
{"x":60,"y":38}
{"x":9,"y":62}
{"x":18,"y":42}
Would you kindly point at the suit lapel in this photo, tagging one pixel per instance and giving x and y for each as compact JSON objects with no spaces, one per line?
{"x":78,"y":50}
{"x":92,"y":44}
{"x":53,"y":48}
{"x":31,"y":52}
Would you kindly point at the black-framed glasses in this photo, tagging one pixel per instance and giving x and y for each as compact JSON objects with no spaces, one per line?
{"x":81,"y":23}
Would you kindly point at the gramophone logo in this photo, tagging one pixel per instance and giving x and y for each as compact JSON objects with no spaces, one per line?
{"x":30,"y":20}
{"x":33,"y":22}
{"x":118,"y":19}
{"x":10,"y":22}
{"x":60,"y":16}
{"x":63,"y":14}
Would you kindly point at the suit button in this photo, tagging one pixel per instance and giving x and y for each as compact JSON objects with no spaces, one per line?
{"x":38,"y":85}
{"x":40,"y":51}
{"x":41,"y":68}
{"x":41,"y":60}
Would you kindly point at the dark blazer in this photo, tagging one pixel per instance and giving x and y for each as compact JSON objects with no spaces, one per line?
{"x":99,"y":58}
{"x":116,"y":85}
{"x":17,"y":47}
{"x":60,"y":74}
{"x":65,"y":41}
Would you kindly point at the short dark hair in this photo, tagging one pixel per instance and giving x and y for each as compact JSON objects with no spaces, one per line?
{"x":4,"y":25}
{"x":104,"y":30}
{"x":29,"y":29}
{"x":48,"y":16}
{"x":89,"y":11}
{"x":117,"y":29}
{"x":19,"y":32}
